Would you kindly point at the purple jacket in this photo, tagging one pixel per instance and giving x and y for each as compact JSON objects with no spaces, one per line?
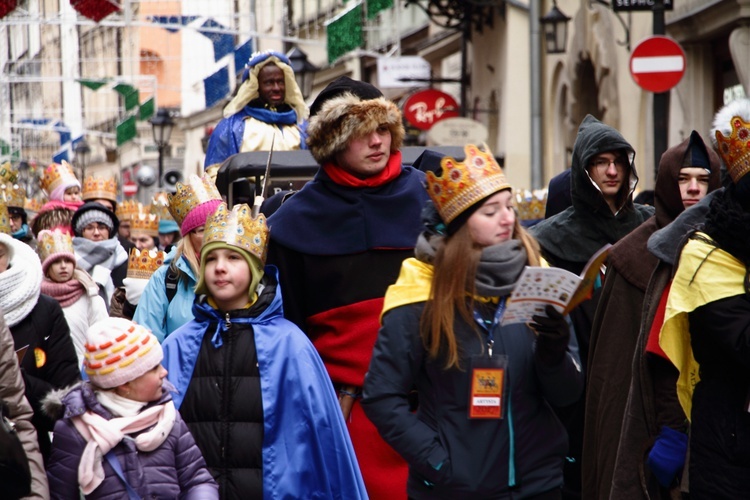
{"x":176,"y":469}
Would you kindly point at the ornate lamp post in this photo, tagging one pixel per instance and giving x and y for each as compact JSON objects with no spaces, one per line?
{"x":162,"y":125}
{"x":555,"y":25}
{"x":304,"y":70}
{"x":82,"y":152}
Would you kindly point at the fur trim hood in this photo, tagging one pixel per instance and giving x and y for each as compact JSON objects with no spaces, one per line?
{"x":345,"y":117}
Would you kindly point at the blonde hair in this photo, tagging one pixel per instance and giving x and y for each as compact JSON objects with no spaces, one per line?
{"x":185,"y":249}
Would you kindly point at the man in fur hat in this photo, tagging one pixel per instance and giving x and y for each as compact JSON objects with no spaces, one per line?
{"x":339,"y":243}
{"x":268,"y":105}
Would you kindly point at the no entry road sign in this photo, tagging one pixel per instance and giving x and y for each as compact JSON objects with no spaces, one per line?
{"x":657,"y":64}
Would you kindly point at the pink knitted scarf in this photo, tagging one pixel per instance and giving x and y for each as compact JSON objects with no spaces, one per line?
{"x":65,"y":293}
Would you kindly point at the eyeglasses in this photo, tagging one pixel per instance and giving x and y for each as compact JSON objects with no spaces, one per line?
{"x":604,"y":163}
{"x":96,"y":226}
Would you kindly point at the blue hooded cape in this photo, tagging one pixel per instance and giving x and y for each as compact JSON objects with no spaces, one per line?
{"x":306,"y":447}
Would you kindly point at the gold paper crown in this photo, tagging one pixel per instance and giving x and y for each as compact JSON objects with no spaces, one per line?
{"x":160,"y":206}
{"x":33,"y":205}
{"x":143,"y":223}
{"x":13,"y":195}
{"x":50,"y":242}
{"x":57,"y":174}
{"x":128,"y":209}
{"x":142,"y":265}
{"x":462,"y":184}
{"x":531,"y":204}
{"x":238,"y":229}
{"x":735,"y":149}
{"x":99,"y":188}
{"x":4,"y":219}
{"x":187,"y":196}
{"x":8,"y":175}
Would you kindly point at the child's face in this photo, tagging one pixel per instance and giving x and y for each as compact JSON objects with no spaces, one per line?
{"x":61,"y":270}
{"x":227,"y":276}
{"x":72,"y":194}
{"x":145,"y":388}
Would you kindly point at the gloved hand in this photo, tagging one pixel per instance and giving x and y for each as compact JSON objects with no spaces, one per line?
{"x":667,"y":457}
{"x":553,"y":335}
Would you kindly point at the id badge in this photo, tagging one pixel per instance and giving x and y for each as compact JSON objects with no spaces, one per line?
{"x":487,"y":392}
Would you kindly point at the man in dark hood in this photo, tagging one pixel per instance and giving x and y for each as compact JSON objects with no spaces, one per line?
{"x":603,"y":178}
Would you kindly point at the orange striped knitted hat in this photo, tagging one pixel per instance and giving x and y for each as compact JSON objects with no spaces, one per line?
{"x":118,"y":351}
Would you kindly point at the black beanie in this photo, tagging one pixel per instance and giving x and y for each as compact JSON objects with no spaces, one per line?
{"x":341,"y":85}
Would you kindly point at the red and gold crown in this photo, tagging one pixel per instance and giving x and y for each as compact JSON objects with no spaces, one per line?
{"x":142,"y":265}
{"x":128,"y":209}
{"x":237,"y":228}
{"x":57,"y":174}
{"x":4,"y":219}
{"x":8,"y":175}
{"x":735,"y":149}
{"x":95,"y":188}
{"x":52,"y":242}
{"x":144,"y":223}
{"x":33,"y":205}
{"x":462,"y":184}
{"x":160,"y":206}
{"x":187,"y":196}
{"x":531,"y":204}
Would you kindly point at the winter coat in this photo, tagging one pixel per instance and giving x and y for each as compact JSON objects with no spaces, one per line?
{"x":175,"y":469}
{"x":20,"y":412}
{"x":449,"y":455}
{"x":257,"y":398}
{"x":155,"y":311}
{"x":50,"y":361}
{"x":80,"y":315}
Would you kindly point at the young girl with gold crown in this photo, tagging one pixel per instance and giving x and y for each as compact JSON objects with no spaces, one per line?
{"x":64,"y":194}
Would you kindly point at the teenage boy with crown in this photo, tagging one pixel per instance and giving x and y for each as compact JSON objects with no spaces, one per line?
{"x":274,"y":428}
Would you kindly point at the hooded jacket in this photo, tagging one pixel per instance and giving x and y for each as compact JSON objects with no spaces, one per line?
{"x":571,"y":237}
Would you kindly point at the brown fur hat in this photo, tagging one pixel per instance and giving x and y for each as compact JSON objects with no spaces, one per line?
{"x":346,"y":117}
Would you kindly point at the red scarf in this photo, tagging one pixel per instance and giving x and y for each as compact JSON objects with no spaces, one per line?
{"x":390,"y":172}
{"x":65,"y":293}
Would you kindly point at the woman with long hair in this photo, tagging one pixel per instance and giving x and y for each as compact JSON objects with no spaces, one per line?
{"x":484,"y":426}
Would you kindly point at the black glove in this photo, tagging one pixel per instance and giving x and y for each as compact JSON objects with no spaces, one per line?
{"x":553,"y":334}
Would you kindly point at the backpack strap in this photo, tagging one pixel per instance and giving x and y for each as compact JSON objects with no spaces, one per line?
{"x":115,"y":464}
{"x":170,"y":285}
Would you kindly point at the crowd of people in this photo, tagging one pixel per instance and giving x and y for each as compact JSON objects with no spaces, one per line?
{"x":351,"y":342}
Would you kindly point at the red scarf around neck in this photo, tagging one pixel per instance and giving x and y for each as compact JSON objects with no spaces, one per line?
{"x":65,"y":293}
{"x":390,"y":172}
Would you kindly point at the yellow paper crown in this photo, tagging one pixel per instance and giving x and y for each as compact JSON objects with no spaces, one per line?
{"x":462,"y":184}
{"x":735,"y":149}
{"x":95,"y":188}
{"x":160,"y":206}
{"x":531,"y":204}
{"x":142,"y":265}
{"x":4,"y":219}
{"x":188,"y":196}
{"x":143,"y":223}
{"x":13,"y":195}
{"x":51,"y":242}
{"x":57,"y":174}
{"x":238,"y":229}
{"x":8,"y":175}
{"x":128,"y":209}
{"x":33,"y":205}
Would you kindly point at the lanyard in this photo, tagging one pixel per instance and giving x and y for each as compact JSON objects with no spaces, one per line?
{"x":488,"y":326}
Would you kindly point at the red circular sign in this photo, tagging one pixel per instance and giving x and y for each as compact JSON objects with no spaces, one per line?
{"x":129,"y":189}
{"x":657,"y":64}
{"x":425,"y":108}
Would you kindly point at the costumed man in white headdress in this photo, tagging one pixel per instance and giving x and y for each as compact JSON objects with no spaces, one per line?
{"x":268,"y":104}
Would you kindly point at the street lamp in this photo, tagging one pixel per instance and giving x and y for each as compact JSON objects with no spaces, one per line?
{"x":555,"y":25}
{"x":303,"y":69}
{"x":82,"y":152}
{"x":161,"y":125}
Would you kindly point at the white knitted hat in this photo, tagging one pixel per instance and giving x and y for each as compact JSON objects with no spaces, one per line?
{"x":118,"y":351}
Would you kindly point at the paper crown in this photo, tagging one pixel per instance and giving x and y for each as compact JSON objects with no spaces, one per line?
{"x":128,"y":209}
{"x":57,"y":174}
{"x":531,"y":204}
{"x":160,"y":206}
{"x":33,"y":205}
{"x":52,"y":242}
{"x":735,"y":149}
{"x":462,"y":184}
{"x":4,"y":219}
{"x":8,"y":175}
{"x":238,"y":229}
{"x":141,"y":265}
{"x":13,"y":195}
{"x":187,"y":196}
{"x":99,"y":188}
{"x":144,"y":223}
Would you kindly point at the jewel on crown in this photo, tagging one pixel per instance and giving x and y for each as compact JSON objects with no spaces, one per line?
{"x":49,"y":242}
{"x":237,"y":228}
{"x":8,"y":175}
{"x":142,"y":264}
{"x":128,"y":209}
{"x":99,"y":187}
{"x":461,"y":184}
{"x":531,"y":204}
{"x":13,"y":195}
{"x":56,"y":174}
{"x":735,"y":149}
{"x":4,"y":219}
{"x":187,"y":196}
{"x":143,"y":223}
